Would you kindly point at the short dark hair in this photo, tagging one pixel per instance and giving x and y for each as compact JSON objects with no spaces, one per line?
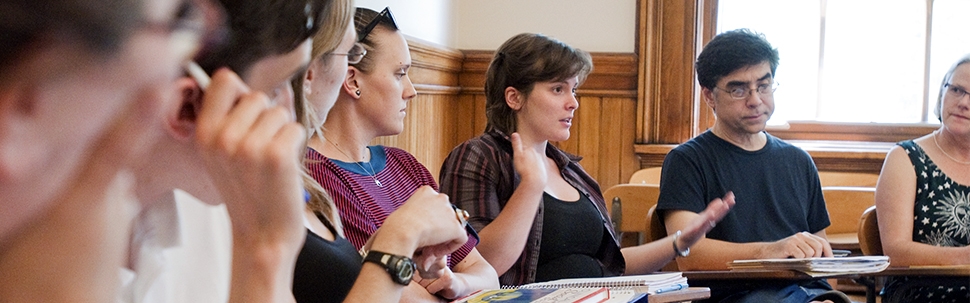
{"x":99,"y":25}
{"x":261,"y":28}
{"x":733,"y":50}
{"x":522,"y":61}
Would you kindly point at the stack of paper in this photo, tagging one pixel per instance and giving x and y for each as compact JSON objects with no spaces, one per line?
{"x":818,"y":266}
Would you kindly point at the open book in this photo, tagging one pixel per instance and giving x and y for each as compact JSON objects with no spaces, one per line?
{"x":818,"y":267}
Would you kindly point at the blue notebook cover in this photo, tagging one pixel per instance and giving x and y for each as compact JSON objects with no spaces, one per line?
{"x":509,"y":295}
{"x":540,"y":295}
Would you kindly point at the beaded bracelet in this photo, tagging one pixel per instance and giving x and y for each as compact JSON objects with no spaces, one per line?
{"x":677,"y":251}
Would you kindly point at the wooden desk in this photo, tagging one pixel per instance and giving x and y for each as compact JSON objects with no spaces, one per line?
{"x":684,"y":295}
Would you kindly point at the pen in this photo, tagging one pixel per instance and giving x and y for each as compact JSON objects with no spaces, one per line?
{"x":670,"y":288}
{"x":196,"y":72}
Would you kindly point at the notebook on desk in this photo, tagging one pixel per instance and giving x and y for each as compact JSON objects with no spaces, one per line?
{"x":652,"y":283}
{"x":617,"y":289}
{"x":818,"y":267}
{"x":539,"y":295}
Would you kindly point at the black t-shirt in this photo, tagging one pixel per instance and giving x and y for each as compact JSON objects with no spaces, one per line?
{"x":572,"y":234}
{"x":776,"y":188}
{"x":325,"y":270}
{"x":777,"y":194}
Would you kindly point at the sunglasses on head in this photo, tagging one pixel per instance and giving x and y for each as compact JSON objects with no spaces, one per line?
{"x":384,"y":16}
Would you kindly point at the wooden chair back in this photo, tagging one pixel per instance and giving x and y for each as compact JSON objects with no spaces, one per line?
{"x":628,"y":205}
{"x":656,"y":231}
{"x":846,"y":205}
{"x":837,"y":178}
{"x":869,"y":240}
{"x":650,"y":175}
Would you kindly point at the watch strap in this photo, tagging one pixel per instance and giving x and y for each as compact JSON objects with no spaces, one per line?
{"x":400,"y":268}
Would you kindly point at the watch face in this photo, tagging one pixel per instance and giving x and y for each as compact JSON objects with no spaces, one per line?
{"x":405,"y":269}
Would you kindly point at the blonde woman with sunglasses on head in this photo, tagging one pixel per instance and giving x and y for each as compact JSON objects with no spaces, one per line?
{"x":329,"y":268}
{"x":371,"y":185}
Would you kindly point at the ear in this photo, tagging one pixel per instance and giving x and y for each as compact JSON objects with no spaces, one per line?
{"x":180,"y":120}
{"x":514,"y":98}
{"x":708,"y":95}
{"x":351,"y":83}
{"x":308,"y":78}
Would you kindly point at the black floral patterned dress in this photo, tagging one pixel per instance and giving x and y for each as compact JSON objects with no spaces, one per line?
{"x":942,"y":218}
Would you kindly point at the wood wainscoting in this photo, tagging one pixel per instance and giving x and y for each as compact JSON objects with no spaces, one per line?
{"x":449,"y":109}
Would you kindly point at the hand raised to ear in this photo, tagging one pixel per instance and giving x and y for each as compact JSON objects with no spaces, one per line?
{"x":251,"y":151}
{"x":528,"y":162}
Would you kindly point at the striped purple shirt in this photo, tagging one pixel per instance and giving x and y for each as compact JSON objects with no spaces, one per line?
{"x":363,"y":205}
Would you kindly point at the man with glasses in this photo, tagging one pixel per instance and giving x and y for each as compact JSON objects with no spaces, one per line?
{"x":780,"y":212}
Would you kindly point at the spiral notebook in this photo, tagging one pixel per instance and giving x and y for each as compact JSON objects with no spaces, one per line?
{"x":651,"y":284}
{"x":539,"y":295}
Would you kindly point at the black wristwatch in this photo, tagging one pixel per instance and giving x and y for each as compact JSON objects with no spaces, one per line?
{"x":401,"y":268}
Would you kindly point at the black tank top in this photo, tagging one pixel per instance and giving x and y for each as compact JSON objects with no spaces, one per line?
{"x":572,"y":233}
{"x":325,"y":270}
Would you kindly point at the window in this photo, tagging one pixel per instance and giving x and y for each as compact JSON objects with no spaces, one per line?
{"x":856,"y":61}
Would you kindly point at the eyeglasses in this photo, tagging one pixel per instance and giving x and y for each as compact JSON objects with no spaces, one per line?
{"x":383,"y":16}
{"x":766,"y":90}
{"x":202,"y":19}
{"x":190,"y":16}
{"x":355,"y":54}
{"x":954,"y":91}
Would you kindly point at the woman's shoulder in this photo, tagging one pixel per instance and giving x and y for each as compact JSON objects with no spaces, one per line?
{"x":394,"y":152}
{"x":482,"y":145}
{"x":397,"y":155}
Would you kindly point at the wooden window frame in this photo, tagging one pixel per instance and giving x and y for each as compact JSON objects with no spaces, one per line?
{"x":670,"y":34}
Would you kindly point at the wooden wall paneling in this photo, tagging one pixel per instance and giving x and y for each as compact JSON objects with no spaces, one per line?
{"x":648,"y":54}
{"x":588,"y":136}
{"x":675,"y":117}
{"x":473,"y":67}
{"x":706,"y":29}
{"x":628,"y":129}
{"x":666,"y":70}
{"x":434,"y":65}
{"x":610,"y":147}
{"x":466,"y":114}
{"x":448,"y":112}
